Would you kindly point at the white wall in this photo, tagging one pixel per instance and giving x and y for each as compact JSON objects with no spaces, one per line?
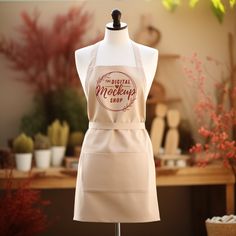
{"x":183,"y":32}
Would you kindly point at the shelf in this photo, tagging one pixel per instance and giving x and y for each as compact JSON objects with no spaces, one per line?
{"x":169,"y":56}
{"x":166,"y":101}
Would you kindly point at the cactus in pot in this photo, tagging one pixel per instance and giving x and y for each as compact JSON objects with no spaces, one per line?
{"x":23,"y":146}
{"x":75,"y":142}
{"x":58,"y":134}
{"x":42,"y":151}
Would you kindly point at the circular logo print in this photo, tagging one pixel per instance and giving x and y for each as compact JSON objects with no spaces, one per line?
{"x":116,"y":91}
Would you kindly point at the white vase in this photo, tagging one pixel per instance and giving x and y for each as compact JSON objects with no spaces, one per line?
{"x":42,"y":158}
{"x":58,"y":153}
{"x":23,"y":161}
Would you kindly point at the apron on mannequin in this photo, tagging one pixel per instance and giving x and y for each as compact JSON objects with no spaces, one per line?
{"x":116,"y":178}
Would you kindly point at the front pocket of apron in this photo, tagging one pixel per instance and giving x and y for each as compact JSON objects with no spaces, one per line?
{"x":115,"y":172}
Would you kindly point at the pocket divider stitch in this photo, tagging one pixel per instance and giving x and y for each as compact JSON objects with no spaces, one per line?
{"x":115,"y":172}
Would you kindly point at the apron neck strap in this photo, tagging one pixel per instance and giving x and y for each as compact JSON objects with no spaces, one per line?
{"x":135,"y":50}
{"x":93,"y":55}
{"x":136,"y":54}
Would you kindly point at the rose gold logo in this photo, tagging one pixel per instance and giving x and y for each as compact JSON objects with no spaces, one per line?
{"x":116,"y":91}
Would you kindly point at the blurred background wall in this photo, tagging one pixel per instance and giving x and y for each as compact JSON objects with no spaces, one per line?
{"x":183,"y":32}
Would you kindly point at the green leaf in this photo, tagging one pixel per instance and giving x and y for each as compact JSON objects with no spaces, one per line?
{"x":217,"y":4}
{"x":193,"y":3}
{"x":232,"y":3}
{"x":170,"y":5}
{"x":218,"y":9}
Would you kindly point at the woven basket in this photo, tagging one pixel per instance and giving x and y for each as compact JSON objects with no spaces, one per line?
{"x":220,"y":229}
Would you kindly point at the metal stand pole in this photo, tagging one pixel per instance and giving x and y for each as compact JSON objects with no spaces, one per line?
{"x":117,"y":229}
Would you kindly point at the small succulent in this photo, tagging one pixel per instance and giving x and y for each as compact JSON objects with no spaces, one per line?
{"x":58,"y":133}
{"x":23,"y":144}
{"x":41,"y":142}
{"x":75,"y":139}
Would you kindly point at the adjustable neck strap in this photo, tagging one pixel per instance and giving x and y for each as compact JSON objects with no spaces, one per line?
{"x":135,"y":49}
{"x":136,"y":54}
{"x":93,"y":55}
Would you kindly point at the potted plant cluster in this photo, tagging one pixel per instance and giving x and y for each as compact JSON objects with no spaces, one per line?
{"x":23,"y":146}
{"x":58,"y":135}
{"x":42,"y":151}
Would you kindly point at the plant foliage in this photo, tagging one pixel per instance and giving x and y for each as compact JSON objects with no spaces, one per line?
{"x":217,"y":6}
{"x":43,"y":54}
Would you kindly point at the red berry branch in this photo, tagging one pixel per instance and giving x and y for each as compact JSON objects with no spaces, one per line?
{"x":216,"y":118}
{"x":22,"y":210}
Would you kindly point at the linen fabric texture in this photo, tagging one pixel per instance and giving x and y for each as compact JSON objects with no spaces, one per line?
{"x":116,"y":178}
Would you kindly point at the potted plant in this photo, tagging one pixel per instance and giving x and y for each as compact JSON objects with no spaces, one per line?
{"x":42,"y":151}
{"x":75,"y":142}
{"x":23,"y":146}
{"x":58,"y":135}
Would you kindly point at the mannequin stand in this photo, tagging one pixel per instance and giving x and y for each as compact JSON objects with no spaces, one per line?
{"x":117,"y":229}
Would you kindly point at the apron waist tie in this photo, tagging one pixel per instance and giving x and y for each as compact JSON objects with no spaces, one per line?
{"x":116,"y":125}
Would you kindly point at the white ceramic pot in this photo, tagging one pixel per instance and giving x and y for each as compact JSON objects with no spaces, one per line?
{"x":181,"y":163}
{"x":170,"y":163}
{"x":58,"y":153}
{"x":42,"y":158}
{"x":23,"y":161}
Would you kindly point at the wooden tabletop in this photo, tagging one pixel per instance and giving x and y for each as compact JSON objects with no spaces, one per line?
{"x":60,"y":177}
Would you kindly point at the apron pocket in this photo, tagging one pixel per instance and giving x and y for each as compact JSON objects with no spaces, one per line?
{"x":115,"y":172}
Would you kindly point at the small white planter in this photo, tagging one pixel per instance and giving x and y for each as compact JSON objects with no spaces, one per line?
{"x":42,"y":158}
{"x":23,"y":161}
{"x":58,"y":153}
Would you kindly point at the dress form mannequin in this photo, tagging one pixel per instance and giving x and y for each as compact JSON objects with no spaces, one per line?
{"x":117,"y":42}
{"x":117,"y":50}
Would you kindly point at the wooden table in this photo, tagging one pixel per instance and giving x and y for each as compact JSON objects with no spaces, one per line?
{"x":59,"y":177}
{"x":210,"y":175}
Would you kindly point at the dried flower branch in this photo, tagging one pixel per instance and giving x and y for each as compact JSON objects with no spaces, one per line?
{"x":45,"y":54}
{"x":22,"y":210}
{"x":216,"y":119}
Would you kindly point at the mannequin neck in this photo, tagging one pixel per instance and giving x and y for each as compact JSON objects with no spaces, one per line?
{"x":116,"y":36}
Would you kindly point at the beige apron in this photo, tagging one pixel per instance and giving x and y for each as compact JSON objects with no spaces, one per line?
{"x":116,"y":179}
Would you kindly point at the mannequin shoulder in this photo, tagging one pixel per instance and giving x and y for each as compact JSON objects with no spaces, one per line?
{"x":84,"y":53}
{"x":148,"y":53}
